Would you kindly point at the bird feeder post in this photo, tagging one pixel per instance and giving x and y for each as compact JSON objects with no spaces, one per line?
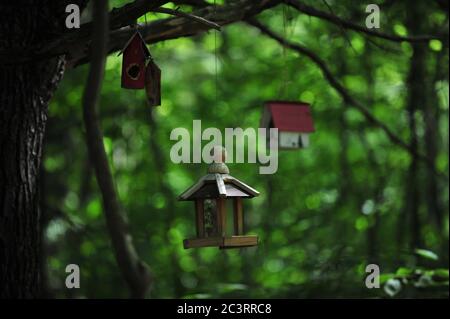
{"x":200,"y":218}
{"x":238,"y":217}
{"x":221,"y":217}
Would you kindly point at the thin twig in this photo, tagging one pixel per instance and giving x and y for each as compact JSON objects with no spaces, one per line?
{"x":311,"y":11}
{"x":190,"y":16}
{"x":341,"y":27}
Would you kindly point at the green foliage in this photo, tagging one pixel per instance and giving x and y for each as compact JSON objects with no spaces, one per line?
{"x":330,"y":209}
{"x":407,"y":282}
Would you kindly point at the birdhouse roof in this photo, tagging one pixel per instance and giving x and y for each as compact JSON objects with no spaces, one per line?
{"x":288,"y":116}
{"x":218,"y":185}
{"x":137,"y":36}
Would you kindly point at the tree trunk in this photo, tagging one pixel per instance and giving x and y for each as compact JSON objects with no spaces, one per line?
{"x":25,"y":90}
{"x":379,"y":184}
{"x":432,"y":144}
{"x":160,"y":167}
{"x":415,"y":101}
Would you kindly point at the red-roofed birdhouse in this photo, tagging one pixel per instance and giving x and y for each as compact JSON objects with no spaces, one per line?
{"x":135,"y":53}
{"x":293,"y":121}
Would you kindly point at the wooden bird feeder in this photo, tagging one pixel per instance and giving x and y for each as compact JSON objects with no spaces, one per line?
{"x":293,"y":120}
{"x":213,"y":194}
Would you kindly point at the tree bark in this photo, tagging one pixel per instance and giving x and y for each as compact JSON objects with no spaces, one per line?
{"x":416,"y":99}
{"x":432,"y":144}
{"x":25,"y":90}
{"x":373,"y":249}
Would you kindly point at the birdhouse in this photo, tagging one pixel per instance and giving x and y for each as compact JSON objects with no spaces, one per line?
{"x":218,"y":197}
{"x":135,"y":54}
{"x":293,"y":121}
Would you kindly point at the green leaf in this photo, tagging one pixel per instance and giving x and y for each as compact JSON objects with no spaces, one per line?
{"x":440,"y":274}
{"x":403,"y":272}
{"x":400,"y":29}
{"x":427,"y":254}
{"x":385,"y":277}
{"x":94,"y":209}
{"x":435,"y":45}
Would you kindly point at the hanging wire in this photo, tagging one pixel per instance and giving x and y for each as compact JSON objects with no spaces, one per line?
{"x":282,"y":90}
{"x":145,"y":25}
{"x":291,"y":23}
{"x":343,"y":31}
{"x":216,"y":58}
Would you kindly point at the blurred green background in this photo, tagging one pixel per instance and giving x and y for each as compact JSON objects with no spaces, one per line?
{"x":346,"y":201}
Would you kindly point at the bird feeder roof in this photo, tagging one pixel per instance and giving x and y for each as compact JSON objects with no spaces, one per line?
{"x":288,"y":116}
{"x":137,"y":36}
{"x":218,"y":186}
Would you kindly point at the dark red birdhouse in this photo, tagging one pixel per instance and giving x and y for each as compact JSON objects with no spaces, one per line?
{"x":135,"y":54}
{"x":293,"y":121}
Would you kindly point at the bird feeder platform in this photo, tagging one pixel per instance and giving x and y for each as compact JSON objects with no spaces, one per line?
{"x":222,"y":242}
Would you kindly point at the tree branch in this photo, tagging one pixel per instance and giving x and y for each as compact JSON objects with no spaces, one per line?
{"x":311,"y":11}
{"x":173,"y":28}
{"x":135,"y":271}
{"x":75,"y":45}
{"x":192,"y":3}
{"x":72,"y":41}
{"x":348,"y":99}
{"x":193,"y":17}
{"x":118,"y":18}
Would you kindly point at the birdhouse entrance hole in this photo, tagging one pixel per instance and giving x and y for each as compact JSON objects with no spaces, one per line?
{"x":133,"y":71}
